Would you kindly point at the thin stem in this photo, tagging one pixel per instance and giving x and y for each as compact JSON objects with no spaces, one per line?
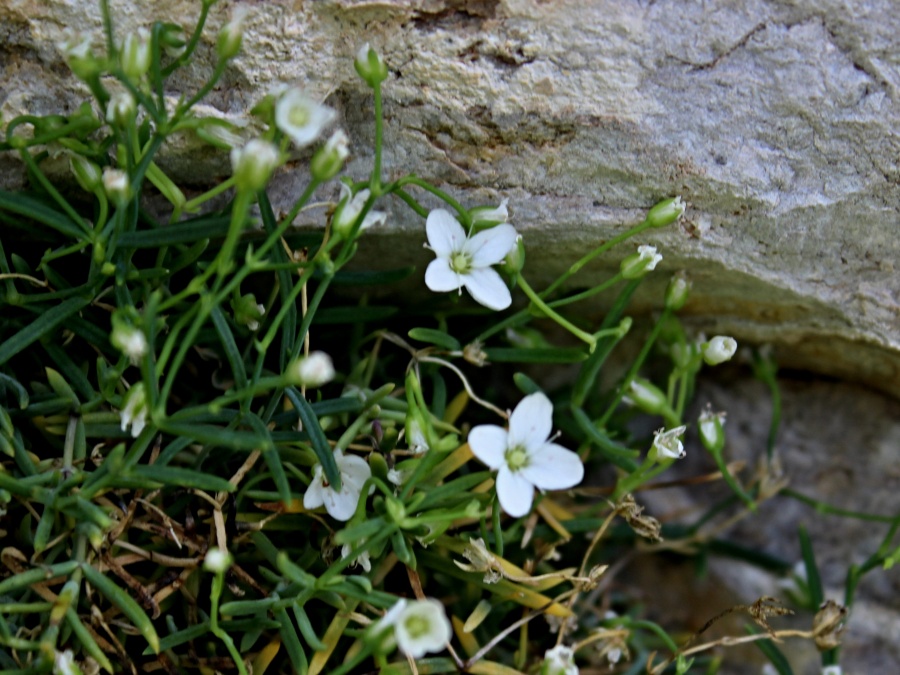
{"x":545,"y":308}
{"x":464,"y":216}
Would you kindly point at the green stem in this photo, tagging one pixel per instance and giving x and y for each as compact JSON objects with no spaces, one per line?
{"x":464,"y":216}
{"x":192,"y":205}
{"x":569,"y":326}
{"x":375,"y":180}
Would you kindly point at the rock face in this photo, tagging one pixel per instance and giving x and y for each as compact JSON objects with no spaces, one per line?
{"x":777,"y":122}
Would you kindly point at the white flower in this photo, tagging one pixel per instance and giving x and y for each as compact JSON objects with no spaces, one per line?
{"x":329,"y":159}
{"x":355,"y":472}
{"x":130,"y":341}
{"x":559,"y":661}
{"x":396,"y":476}
{"x":120,"y":108}
{"x":348,"y":210}
{"x":64,"y":663}
{"x":134,"y":414}
{"x":362,"y":559}
{"x":420,"y":626}
{"x":719,"y":349}
{"x":462,"y":261}
{"x":228,"y":43}
{"x":832,"y":670}
{"x":667,"y":443}
{"x":711,"y":432}
{"x":301,"y":118}
{"x":312,"y":371}
{"x":217,"y":561}
{"x":638,"y":264}
{"x":134,"y":54}
{"x":254,"y":163}
{"x":524,"y":456}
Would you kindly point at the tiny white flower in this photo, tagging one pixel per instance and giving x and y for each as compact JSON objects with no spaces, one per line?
{"x":667,"y":443}
{"x":719,"y":349}
{"x":254,"y":163}
{"x":228,"y":43}
{"x":832,"y":670}
{"x":64,"y":663}
{"x":329,"y":159}
{"x":129,"y":340}
{"x":559,"y":661}
{"x":638,"y":264}
{"x":355,"y":471}
{"x":422,"y":626}
{"x":666,"y":212}
{"x":79,"y":54}
{"x":314,"y":370}
{"x":217,"y":561}
{"x":524,"y":456}
{"x":135,"y":412}
{"x":120,"y":108}
{"x":134,"y":54}
{"x":362,"y":559}
{"x":711,"y":433}
{"x":370,"y":65}
{"x":395,"y":476}
{"x":115,"y":184}
{"x":301,"y":118}
{"x":463,"y":261}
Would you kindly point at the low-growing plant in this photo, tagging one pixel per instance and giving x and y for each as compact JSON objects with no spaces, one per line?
{"x":211,"y":461}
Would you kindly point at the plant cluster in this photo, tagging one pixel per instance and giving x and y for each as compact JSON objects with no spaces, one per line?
{"x":211,"y":462}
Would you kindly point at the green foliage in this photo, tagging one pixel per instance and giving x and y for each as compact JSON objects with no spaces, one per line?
{"x":188,"y":481}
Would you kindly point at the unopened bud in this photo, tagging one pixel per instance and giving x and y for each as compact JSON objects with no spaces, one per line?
{"x":253,"y":164}
{"x":638,"y":264}
{"x":87,"y":173}
{"x":78,"y":53}
{"x":121,"y":108}
{"x":677,"y":292}
{"x":311,"y":371}
{"x":647,"y":396}
{"x":712,"y":433}
{"x":515,"y":259}
{"x":217,"y":561}
{"x":348,"y":211}
{"x":134,"y":54}
{"x":228,"y":43}
{"x":665,"y":213}
{"x":115,"y":183}
{"x":370,"y":66}
{"x":329,"y":159}
{"x":718,"y":350}
{"x":248,"y":312}
{"x":488,"y":216}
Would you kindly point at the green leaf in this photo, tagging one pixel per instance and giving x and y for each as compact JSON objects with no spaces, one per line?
{"x":231,"y":349}
{"x":125,"y":603}
{"x":525,"y":384}
{"x":813,"y":579}
{"x":185,"y":232}
{"x":21,"y":392}
{"x":87,"y":640}
{"x":170,"y":476}
{"x":41,"y":327}
{"x":60,"y":386}
{"x":435,"y":337}
{"x":775,"y":656}
{"x":213,"y":435}
{"x":551,"y":355}
{"x":23,"y":205}
{"x":33,"y":576}
{"x":316,"y":437}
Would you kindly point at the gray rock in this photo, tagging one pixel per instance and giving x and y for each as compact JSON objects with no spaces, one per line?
{"x":777,"y":122}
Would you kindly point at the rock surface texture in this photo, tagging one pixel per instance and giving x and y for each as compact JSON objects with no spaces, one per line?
{"x":777,"y":122}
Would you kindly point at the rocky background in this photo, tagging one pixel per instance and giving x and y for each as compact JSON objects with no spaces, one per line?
{"x":776,"y":121}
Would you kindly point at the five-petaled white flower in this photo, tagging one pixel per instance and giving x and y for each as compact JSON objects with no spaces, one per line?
{"x":420,"y":626}
{"x":524,"y":456}
{"x":355,"y":472}
{"x":463,"y":261}
{"x":301,"y":118}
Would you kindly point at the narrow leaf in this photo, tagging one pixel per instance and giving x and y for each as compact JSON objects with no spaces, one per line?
{"x":41,"y":327}
{"x":316,"y":437}
{"x":170,"y":476}
{"x":435,"y":337}
{"x":125,"y":603}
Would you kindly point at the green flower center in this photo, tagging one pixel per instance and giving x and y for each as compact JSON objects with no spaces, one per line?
{"x":417,"y":626}
{"x":299,"y":116}
{"x":516,"y":458}
{"x":461,"y":262}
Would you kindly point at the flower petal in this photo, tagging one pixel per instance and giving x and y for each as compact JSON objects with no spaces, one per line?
{"x":553,"y":467}
{"x":341,"y":505}
{"x":445,"y":234}
{"x":440,"y":278}
{"x":314,"y":496}
{"x":531,"y":422}
{"x":488,"y":443}
{"x":488,"y":289}
{"x":515,"y":492}
{"x":354,"y":470}
{"x":489,"y":247}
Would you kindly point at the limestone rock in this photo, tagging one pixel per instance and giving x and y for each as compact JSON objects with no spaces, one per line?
{"x":777,"y":122}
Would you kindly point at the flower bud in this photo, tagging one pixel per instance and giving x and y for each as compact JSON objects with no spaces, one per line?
{"x":559,"y":661}
{"x":87,"y":173}
{"x":828,"y":625}
{"x":370,"y":66}
{"x":638,"y":264}
{"x":329,"y":159}
{"x":416,"y":431}
{"x":647,"y":396}
{"x":79,"y":55}
{"x":134,"y":54}
{"x":677,"y":292}
{"x":348,"y":211}
{"x":248,"y":312}
{"x":115,"y":183}
{"x":217,"y":561}
{"x":488,"y":216}
{"x":253,"y":164}
{"x":515,"y":259}
{"x":311,"y":371}
{"x":128,"y":339}
{"x":718,"y":350}
{"x":665,"y":213}
{"x":712,"y":433}
{"x":135,"y":410}
{"x":228,"y":43}
{"x":121,"y":108}
{"x":173,"y":40}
